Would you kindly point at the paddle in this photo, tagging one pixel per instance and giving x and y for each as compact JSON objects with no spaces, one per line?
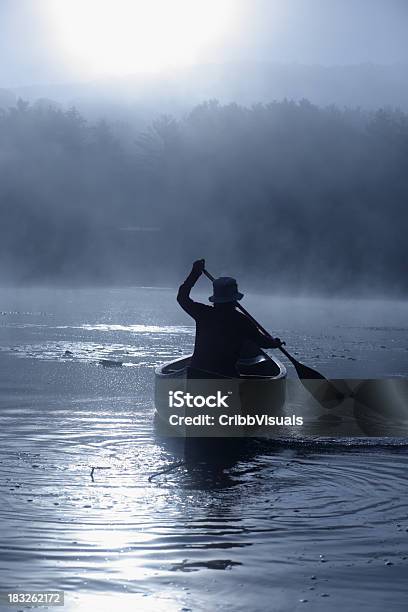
{"x":327,"y":393}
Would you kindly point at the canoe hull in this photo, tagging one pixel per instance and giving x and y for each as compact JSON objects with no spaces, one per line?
{"x":260,"y":390}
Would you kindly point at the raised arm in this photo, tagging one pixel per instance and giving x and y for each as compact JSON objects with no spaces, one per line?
{"x":183,"y":295}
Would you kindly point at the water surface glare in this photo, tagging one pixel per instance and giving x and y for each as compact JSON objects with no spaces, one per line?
{"x":283,"y":522}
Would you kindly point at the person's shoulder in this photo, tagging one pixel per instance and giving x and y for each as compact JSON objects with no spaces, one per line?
{"x":206,"y":307}
{"x":243,"y":321}
{"x":203,"y":308}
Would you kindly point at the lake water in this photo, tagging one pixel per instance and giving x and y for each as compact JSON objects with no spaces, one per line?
{"x":284,"y":527}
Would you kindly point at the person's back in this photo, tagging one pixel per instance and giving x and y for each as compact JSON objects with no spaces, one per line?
{"x":221,"y":331}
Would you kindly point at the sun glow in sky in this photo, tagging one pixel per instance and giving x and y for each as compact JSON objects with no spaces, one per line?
{"x":116,"y":37}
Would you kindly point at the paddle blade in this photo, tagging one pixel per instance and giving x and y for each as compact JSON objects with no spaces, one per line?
{"x":305,"y":372}
{"x":302,"y":370}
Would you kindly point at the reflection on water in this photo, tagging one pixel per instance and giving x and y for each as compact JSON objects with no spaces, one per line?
{"x":280,"y":522}
{"x":275,"y":516}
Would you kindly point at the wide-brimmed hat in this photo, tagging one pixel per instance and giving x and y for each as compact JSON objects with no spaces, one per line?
{"x":225,"y":289}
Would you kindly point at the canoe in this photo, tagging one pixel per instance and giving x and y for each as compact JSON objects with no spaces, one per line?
{"x":261,"y":388}
{"x":260,"y":366}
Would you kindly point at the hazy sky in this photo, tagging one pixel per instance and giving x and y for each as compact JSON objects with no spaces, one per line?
{"x":38,"y":47}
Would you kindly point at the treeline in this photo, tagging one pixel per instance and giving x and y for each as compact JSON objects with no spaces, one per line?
{"x":288,"y":196}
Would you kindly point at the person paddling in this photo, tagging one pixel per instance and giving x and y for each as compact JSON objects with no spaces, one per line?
{"x":222,"y":332}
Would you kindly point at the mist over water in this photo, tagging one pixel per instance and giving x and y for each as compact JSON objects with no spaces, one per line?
{"x":144,"y":327}
{"x":278,"y":151}
{"x":286,"y":196}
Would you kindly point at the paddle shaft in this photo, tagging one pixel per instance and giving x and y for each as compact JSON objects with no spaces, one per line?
{"x":246,"y":313}
{"x":304,"y":372}
{"x":299,"y":367}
